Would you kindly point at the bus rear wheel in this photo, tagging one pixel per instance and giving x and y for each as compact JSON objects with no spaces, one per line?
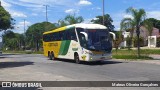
{"x":51,"y":56}
{"x":76,"y":58}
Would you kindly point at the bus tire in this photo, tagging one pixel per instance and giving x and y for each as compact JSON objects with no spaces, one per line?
{"x":51,"y":56}
{"x":76,"y":58}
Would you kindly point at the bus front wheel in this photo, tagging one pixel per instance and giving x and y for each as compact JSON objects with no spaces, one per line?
{"x":76,"y":58}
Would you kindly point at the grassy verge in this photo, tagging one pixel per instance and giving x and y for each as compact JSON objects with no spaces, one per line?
{"x":132,"y":54}
{"x":24,"y":52}
{"x":132,"y":57}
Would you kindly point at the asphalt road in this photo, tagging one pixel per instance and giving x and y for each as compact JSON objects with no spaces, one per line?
{"x":39,"y":68}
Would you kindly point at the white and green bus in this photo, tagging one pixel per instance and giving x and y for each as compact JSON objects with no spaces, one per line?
{"x":79,"y":42}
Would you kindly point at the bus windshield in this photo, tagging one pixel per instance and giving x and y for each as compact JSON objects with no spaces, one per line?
{"x":98,"y":39}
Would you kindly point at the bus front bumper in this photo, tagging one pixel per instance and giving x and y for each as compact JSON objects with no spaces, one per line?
{"x":100,"y":57}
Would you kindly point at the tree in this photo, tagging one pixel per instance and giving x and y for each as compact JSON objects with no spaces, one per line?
{"x":127,"y":24}
{"x":12,"y":40}
{"x":138,"y":18}
{"x":6,"y":21}
{"x":69,"y":20}
{"x":155,"y":22}
{"x":34,"y":34}
{"x":107,"y":21}
{"x":149,"y":26}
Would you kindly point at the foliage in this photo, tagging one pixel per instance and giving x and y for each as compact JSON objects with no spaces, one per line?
{"x":118,"y":40}
{"x":35,"y":32}
{"x":141,"y":40}
{"x":158,"y":42}
{"x":149,"y":26}
{"x":69,"y":20}
{"x":129,"y":42}
{"x":138,"y":18}
{"x":13,"y":41}
{"x":6,"y":21}
{"x":155,"y":22}
{"x":107,"y":21}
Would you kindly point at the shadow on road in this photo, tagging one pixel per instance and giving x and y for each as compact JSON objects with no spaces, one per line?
{"x":14,"y":64}
{"x":101,"y":63}
{"x":91,"y":63}
{"x":6,"y":55}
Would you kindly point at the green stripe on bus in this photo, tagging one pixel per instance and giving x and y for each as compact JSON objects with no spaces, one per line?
{"x":64,"y":47}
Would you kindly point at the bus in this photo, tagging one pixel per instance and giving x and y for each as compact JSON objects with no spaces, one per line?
{"x":79,"y":42}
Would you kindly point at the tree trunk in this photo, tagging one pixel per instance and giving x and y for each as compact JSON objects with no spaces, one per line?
{"x":37,"y":46}
{"x":138,"y":46}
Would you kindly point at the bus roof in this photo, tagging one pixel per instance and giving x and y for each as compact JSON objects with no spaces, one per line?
{"x":85,"y":26}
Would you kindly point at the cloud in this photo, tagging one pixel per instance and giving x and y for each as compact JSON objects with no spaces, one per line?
{"x":18,"y":14}
{"x":84,"y":2}
{"x":127,"y":16}
{"x":153,"y":14}
{"x":19,"y":27}
{"x":71,"y":11}
{"x":96,"y":8}
{"x":34,"y":14}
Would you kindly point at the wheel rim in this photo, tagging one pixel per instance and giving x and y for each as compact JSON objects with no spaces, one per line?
{"x":50,"y":56}
{"x":77,"y":59}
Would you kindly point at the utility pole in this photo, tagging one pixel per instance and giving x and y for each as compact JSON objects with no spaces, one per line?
{"x":24,"y":26}
{"x":24,"y":34}
{"x":46,"y":12}
{"x":103,"y":12}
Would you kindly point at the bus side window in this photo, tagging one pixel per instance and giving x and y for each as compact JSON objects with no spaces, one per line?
{"x":73,"y":34}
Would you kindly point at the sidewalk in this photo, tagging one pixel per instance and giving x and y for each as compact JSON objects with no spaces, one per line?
{"x":155,"y":57}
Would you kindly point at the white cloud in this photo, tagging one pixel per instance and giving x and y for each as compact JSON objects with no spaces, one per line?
{"x":127,"y":16}
{"x":19,"y":27}
{"x":34,"y":14}
{"x":71,"y":11}
{"x":153,"y":14}
{"x":18,"y":14}
{"x":96,"y":8}
{"x":84,"y":2}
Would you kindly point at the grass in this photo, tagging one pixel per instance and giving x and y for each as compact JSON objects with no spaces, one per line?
{"x":120,"y":54}
{"x":132,"y":54}
{"x":24,"y":52}
{"x":132,"y":57}
{"x":142,"y":51}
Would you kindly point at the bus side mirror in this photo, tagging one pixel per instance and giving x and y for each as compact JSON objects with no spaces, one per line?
{"x":85,"y":34}
{"x":113,"y":34}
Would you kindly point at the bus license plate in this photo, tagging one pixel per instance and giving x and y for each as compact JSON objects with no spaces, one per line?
{"x":102,"y":58}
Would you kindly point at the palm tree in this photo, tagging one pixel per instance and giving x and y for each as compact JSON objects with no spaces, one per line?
{"x":136,"y":22}
{"x":127,"y":24}
{"x":71,"y":19}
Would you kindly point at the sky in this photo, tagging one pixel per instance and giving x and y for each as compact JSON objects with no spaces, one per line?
{"x":33,"y":11}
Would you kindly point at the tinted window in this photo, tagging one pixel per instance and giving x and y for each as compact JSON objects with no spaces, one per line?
{"x":62,"y":35}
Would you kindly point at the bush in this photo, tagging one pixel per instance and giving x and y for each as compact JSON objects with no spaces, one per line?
{"x":141,"y":40}
{"x":158,"y":41}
